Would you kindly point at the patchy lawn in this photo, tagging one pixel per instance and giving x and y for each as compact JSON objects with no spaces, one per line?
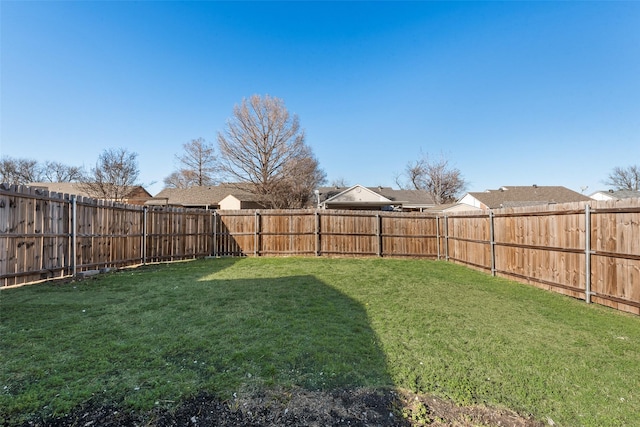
{"x":404,"y":338}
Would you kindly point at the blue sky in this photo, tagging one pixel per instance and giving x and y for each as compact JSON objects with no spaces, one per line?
{"x":512,"y":93}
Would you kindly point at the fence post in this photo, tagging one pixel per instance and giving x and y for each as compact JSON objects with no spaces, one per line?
{"x":446,"y":238}
{"x":587,"y":253}
{"x":144,"y":235}
{"x":74,"y":235}
{"x":214,"y":249}
{"x":317,"y":215}
{"x":379,"y":233}
{"x":438,"y":235}
{"x":493,"y":243}
{"x":256,"y":239}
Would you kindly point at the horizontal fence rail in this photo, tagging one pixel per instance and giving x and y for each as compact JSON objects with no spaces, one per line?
{"x":325,"y":232}
{"x":589,"y":250}
{"x":51,"y":235}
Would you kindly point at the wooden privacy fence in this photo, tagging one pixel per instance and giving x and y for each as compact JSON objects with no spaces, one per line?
{"x":47,"y":235}
{"x":325,"y":232}
{"x":586,"y":250}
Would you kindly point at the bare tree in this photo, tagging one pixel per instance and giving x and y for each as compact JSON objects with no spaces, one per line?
{"x":58,"y":172}
{"x":301,"y":176}
{"x":115,"y":172}
{"x":180,"y":179}
{"x":264,"y":146}
{"x":340,"y":182}
{"x":442,"y":181}
{"x":625,"y":178}
{"x":197,"y":166}
{"x":19,"y":171}
{"x":9,"y":171}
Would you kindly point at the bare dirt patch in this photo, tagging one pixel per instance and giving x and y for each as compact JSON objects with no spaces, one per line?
{"x":297,"y":408}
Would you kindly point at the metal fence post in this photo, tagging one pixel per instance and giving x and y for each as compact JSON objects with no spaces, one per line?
{"x":493,"y":243}
{"x":256,"y":239}
{"x":446,"y":238}
{"x":214,"y":250}
{"x":144,"y":235}
{"x":438,"y":243}
{"x":587,"y":253}
{"x":74,"y":235}
{"x":317,"y":215}
{"x":379,"y":233}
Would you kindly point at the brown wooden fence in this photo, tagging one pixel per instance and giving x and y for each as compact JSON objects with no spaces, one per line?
{"x":325,"y":232}
{"x":47,"y":235}
{"x":588,"y":251}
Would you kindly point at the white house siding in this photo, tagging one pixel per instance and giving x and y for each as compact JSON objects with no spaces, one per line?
{"x":469,"y":200}
{"x":230,"y":203}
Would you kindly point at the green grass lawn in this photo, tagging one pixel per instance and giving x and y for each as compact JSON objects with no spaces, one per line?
{"x":156,"y":335}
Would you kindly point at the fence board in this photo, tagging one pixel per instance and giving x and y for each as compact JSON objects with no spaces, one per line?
{"x":286,"y":232}
{"x":547,"y":250}
{"x":36,"y":229}
{"x":541,"y":245}
{"x":57,"y":230}
{"x":4,"y":238}
{"x":469,"y":239}
{"x":615,"y":237}
{"x":408,"y":235}
{"x":348,"y":234}
{"x":237,"y":231}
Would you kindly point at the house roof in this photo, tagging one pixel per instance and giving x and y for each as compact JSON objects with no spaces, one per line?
{"x":357,"y":196}
{"x":619,"y":194}
{"x":407,"y":198}
{"x":76,"y":188}
{"x":445,"y":207}
{"x":412,"y":197}
{"x":515,"y":196}
{"x":199,"y":195}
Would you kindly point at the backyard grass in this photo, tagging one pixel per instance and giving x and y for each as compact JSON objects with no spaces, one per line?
{"x":156,"y":335}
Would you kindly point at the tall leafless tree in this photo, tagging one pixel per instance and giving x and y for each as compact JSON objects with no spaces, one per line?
{"x":59,"y":172}
{"x":300,"y":177}
{"x":264,"y":146}
{"x":19,"y":171}
{"x":198,"y":166}
{"x":443,"y":182}
{"x":180,"y":179}
{"x":116,"y":171}
{"x":339,"y":182}
{"x":625,"y":178}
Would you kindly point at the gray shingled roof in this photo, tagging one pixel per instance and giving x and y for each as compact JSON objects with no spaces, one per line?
{"x":199,"y":196}
{"x":71,"y":188}
{"x":60,"y":187}
{"x":515,"y":196}
{"x":412,"y":197}
{"x":408,"y":197}
{"x":623,"y":194}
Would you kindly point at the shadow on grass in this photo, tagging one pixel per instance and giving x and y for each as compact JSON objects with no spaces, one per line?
{"x":290,"y":331}
{"x":159,"y":334}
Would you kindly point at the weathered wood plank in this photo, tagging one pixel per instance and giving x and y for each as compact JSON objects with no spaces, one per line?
{"x":542,"y":245}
